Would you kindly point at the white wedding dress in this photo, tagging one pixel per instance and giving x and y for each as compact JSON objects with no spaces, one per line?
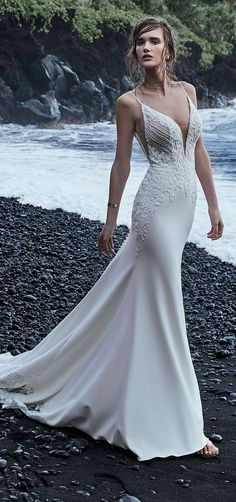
{"x":119,"y":367}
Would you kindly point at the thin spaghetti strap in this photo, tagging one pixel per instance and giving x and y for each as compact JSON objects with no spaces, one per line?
{"x":134,"y":94}
{"x":184,"y":90}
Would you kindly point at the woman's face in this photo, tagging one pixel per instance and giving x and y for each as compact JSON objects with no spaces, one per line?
{"x":149,"y":48}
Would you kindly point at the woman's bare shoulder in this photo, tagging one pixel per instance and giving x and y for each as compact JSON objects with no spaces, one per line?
{"x":127,"y":103}
{"x":191,"y":91}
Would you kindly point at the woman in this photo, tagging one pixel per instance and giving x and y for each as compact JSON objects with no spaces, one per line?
{"x":118,"y":366}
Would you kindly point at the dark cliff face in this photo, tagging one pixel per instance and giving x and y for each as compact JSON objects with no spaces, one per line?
{"x":56,"y":76}
{"x":223,"y":75}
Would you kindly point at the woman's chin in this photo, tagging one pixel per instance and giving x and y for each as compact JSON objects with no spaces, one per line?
{"x":149,"y":64}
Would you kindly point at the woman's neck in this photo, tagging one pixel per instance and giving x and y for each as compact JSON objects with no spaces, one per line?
{"x":156,"y":83}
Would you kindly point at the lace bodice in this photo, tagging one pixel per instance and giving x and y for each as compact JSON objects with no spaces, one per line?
{"x":171,"y":164}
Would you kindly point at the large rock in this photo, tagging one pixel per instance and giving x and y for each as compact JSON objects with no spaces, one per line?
{"x":126,"y":83}
{"x":90,"y":97}
{"x":43,"y":109}
{"x":109,"y":97}
{"x":72,"y":113}
{"x":49,"y":73}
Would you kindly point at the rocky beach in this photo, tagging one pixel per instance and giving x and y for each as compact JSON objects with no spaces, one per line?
{"x":49,"y":261}
{"x":62,"y":68}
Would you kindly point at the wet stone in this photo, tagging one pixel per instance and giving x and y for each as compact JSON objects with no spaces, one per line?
{"x":135,"y":467}
{"x":179,"y":481}
{"x":3,"y":463}
{"x":129,"y":498}
{"x":83,"y":493}
{"x":18,"y":451}
{"x":31,"y":298}
{"x":216,"y":437}
{"x":59,"y":453}
{"x":192,"y":270}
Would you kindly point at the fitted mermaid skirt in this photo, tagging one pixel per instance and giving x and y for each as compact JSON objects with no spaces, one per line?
{"x":119,"y":367}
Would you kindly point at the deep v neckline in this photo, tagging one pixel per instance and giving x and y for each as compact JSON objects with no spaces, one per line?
{"x":183,"y":140}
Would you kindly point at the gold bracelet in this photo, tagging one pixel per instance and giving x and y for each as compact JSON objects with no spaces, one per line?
{"x":111,"y":204}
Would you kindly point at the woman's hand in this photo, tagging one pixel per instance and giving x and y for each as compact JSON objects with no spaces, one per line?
{"x":217,"y":224}
{"x":105,"y":242}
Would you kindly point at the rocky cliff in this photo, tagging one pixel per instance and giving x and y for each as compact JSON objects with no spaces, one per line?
{"x":55,"y":76}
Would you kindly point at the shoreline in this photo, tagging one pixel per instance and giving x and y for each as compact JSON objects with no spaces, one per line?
{"x":60,"y":123}
{"x":49,"y":262}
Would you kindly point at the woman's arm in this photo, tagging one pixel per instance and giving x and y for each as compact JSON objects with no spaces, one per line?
{"x":120,"y":170}
{"x":204,"y":173}
{"x":121,"y":166}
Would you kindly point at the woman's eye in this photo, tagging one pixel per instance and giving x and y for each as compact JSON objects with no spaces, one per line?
{"x":155,"y":42}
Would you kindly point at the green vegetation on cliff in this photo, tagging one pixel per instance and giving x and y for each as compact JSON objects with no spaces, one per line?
{"x":209,"y":23}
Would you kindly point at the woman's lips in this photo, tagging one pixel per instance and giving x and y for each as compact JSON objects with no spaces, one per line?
{"x":147,"y":57}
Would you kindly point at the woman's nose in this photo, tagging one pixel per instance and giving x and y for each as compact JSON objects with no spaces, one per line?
{"x":146,"y":47}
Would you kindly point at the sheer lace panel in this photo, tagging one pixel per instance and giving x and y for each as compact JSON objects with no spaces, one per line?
{"x":171,"y":165}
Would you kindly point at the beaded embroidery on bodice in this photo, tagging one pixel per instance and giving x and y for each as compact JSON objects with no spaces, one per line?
{"x":171,"y":165}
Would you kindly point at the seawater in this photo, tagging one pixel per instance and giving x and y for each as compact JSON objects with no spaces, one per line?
{"x":69,"y":168}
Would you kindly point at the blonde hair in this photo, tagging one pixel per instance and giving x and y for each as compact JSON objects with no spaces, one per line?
{"x":147,"y":24}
